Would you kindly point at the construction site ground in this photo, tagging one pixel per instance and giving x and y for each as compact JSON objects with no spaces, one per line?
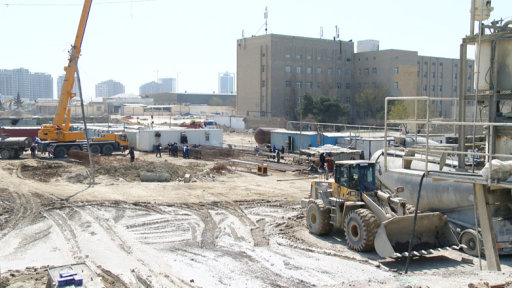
{"x":228,"y":227}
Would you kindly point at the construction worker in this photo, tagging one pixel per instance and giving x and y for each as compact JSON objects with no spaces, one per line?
{"x":185,"y":152}
{"x":159,"y":150}
{"x":33,"y":150}
{"x":278,"y":156}
{"x":132,"y":154}
{"x":322,"y":161}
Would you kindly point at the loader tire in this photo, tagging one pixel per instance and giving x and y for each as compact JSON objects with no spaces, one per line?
{"x":468,"y":238}
{"x":318,"y":219}
{"x":360,"y":229}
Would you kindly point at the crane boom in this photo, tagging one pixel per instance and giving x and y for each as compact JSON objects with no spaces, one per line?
{"x":59,"y":130}
{"x":69,"y":80}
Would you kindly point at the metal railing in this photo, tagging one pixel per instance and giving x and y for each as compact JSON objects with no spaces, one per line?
{"x":428,"y":122}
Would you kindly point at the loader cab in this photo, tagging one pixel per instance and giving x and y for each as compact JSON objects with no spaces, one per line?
{"x":356,"y":175}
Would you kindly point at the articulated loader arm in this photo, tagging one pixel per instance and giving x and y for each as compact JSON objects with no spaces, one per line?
{"x":432,"y":231}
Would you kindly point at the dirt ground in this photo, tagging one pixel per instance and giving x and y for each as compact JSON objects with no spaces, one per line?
{"x":228,"y":227}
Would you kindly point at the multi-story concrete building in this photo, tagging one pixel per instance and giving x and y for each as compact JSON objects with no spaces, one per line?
{"x":109,"y":88}
{"x":29,"y":85}
{"x":275,"y":71}
{"x":163,"y":85}
{"x":226,"y":83}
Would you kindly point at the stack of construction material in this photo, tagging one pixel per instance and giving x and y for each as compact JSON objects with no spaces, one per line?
{"x":212,"y":152}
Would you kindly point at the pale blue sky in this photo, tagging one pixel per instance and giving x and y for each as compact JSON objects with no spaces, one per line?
{"x":129,"y":41}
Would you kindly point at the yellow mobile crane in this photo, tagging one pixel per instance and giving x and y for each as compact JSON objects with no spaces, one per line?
{"x":2,"y":104}
{"x":57,"y":136}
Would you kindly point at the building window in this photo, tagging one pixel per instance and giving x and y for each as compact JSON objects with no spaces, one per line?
{"x":425,"y":63}
{"x":424,"y":74}
{"x":348,"y":72}
{"x":338,"y":71}
{"x":425,"y":87}
{"x":433,"y":75}
{"x":433,"y":63}
{"x":299,"y":69}
{"x":440,"y":63}
{"x":288,"y":69}
{"x":456,"y":65}
{"x":348,"y":59}
{"x":454,"y":76}
{"x":309,"y":85}
{"x":366,"y":71}
{"x":374,"y":58}
{"x":287,"y":56}
{"x":318,"y":70}
{"x":366,"y":58}
{"x":374,"y":70}
{"x":308,"y":70}
{"x":287,"y":84}
{"x":469,"y":76}
{"x":298,"y":57}
{"x":347,"y":85}
{"x":395,"y":70}
{"x":299,"y":84}
{"x":262,"y":68}
{"x":329,"y":71}
{"x":440,"y":88}
{"x":308,"y":57}
{"x":454,"y":88}
{"x":318,"y":85}
{"x":262,"y":83}
{"x":396,"y":57}
{"x":338,"y":84}
{"x":318,"y":58}
{"x":468,"y":90}
{"x":441,"y":75}
{"x":359,"y":72}
{"x":395,"y":84}
{"x":433,"y":88}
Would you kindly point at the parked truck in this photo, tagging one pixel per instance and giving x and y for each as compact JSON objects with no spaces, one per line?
{"x":13,"y":147}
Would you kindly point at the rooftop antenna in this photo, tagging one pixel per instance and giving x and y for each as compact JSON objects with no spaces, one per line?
{"x":337,"y":35}
{"x":321,"y":32}
{"x":266,"y":19}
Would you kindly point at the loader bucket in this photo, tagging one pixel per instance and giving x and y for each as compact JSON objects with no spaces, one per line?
{"x":432,"y":232}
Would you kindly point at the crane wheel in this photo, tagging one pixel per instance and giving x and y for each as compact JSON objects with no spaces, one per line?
{"x":95,"y":149}
{"x":468,"y":238}
{"x":360,"y":229}
{"x":108,"y":149}
{"x":318,"y":219}
{"x":59,"y":152}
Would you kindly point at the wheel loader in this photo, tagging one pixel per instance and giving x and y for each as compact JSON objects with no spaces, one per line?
{"x":373,"y":219}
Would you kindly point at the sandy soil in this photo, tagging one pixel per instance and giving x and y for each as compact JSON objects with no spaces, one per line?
{"x":229,"y":228}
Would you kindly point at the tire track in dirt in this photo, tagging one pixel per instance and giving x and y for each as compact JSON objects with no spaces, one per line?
{"x":67,"y":231}
{"x":124,"y":246}
{"x":20,"y":208}
{"x":257,"y":229}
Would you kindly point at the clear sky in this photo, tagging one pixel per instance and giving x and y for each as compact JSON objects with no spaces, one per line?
{"x":136,"y":41}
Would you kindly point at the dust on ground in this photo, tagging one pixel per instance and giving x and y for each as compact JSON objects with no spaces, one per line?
{"x":228,"y":227}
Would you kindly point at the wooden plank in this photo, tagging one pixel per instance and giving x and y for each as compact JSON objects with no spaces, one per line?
{"x":489,"y":239}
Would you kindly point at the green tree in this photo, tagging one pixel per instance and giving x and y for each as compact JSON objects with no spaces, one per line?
{"x":215,"y":101}
{"x":370,"y":103}
{"x":18,"y":103}
{"x":403,"y":110}
{"x":324,"y":109}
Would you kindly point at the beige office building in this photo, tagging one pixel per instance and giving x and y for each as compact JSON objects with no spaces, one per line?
{"x":274,"y":71}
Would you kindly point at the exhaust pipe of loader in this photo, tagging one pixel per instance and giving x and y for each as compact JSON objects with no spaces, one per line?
{"x":432,"y":233}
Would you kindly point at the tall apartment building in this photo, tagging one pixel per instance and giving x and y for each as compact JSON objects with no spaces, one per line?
{"x":163,"y":85}
{"x":109,"y":88}
{"x":226,"y":83}
{"x":275,"y":71}
{"x":60,"y":81}
{"x":29,"y":85}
